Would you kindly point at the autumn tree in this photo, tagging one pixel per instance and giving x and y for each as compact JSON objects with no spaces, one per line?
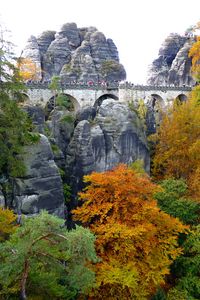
{"x":7,"y":226}
{"x":28,"y":69}
{"x":135,"y":240}
{"x":43,"y":259}
{"x":177,"y":140}
{"x":194,"y":54}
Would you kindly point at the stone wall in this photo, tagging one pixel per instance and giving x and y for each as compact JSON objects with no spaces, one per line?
{"x":87,"y":96}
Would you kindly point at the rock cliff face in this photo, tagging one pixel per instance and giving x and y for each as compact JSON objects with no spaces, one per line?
{"x":95,"y":139}
{"x":74,"y":53}
{"x":172,"y":67}
{"x":41,"y":188}
{"x":100,"y":142}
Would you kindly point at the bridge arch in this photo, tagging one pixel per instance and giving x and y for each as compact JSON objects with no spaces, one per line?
{"x":156,"y":102}
{"x":182,"y":97}
{"x":104,"y":97}
{"x":65,"y":100}
{"x":22,"y":98}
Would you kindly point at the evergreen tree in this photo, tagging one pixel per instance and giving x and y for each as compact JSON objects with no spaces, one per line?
{"x":43,"y":259}
{"x":15,"y":126}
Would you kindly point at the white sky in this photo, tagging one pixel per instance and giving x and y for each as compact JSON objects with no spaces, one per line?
{"x":138,"y":27}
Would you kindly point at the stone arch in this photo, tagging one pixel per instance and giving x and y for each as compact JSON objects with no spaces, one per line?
{"x":65,"y":100}
{"x":156,"y":100}
{"x":22,"y":98}
{"x":104,"y":97}
{"x":182,"y":97}
{"x":155,"y":105}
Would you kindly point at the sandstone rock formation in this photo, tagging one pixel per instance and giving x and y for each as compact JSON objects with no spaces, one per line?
{"x":2,"y":199}
{"x":99,"y":143}
{"x":79,"y":54}
{"x":172,"y":67}
{"x":41,"y":187}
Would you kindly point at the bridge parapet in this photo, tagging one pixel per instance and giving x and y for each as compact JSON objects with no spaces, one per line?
{"x":110,"y":86}
{"x":154,"y":87}
{"x":75,"y":86}
{"x":88,"y":93}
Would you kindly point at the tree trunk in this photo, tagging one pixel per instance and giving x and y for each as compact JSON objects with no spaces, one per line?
{"x":23,"y":280}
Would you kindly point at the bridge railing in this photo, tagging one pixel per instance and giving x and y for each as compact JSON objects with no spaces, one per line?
{"x":154,"y":87}
{"x":108,"y":86}
{"x":74,"y":86}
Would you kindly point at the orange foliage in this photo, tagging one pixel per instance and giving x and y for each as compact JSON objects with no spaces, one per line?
{"x":28,"y":69}
{"x":7,"y":227}
{"x":135,"y":240}
{"x":177,"y":152}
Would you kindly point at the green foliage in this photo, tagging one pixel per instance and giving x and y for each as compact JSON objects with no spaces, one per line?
{"x":55,"y":149}
{"x":160,"y":295}
{"x":138,"y":166}
{"x":67,"y":190}
{"x":109,"y":67}
{"x":60,"y":99}
{"x":15,"y":127}
{"x":187,"y":267}
{"x":43,"y":258}
{"x":68,"y":119}
{"x":55,"y":83}
{"x":62,"y":172}
{"x":47,"y":130}
{"x":64,"y":101}
{"x":175,"y":294}
{"x":171,"y":200}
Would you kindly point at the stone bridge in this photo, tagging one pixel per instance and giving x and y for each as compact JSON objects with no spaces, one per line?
{"x":93,"y":94}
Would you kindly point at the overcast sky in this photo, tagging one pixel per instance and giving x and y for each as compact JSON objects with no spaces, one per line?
{"x":138,"y":27}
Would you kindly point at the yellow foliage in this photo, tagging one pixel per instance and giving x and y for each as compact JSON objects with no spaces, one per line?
{"x":194,"y":53}
{"x":28,"y":69}
{"x":177,"y":152}
{"x":7,"y":226}
{"x":135,"y":240}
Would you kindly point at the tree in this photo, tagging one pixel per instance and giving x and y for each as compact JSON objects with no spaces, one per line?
{"x":43,"y":258}
{"x":28,"y":70}
{"x":177,"y":140}
{"x":135,"y":240}
{"x":187,"y":269}
{"x":15,"y":126}
{"x":174,"y":201}
{"x":59,"y":99}
{"x":194,"y":53}
{"x":7,"y":225}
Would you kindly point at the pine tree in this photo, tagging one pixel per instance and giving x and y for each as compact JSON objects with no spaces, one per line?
{"x":15,"y":125}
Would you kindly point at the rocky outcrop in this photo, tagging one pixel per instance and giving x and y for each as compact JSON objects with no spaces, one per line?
{"x":37,"y":115}
{"x":41,"y":187}
{"x":32,"y":52}
{"x":79,"y":54}
{"x":59,"y":129}
{"x":2,"y":199}
{"x":114,"y":136}
{"x":172,"y":67}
